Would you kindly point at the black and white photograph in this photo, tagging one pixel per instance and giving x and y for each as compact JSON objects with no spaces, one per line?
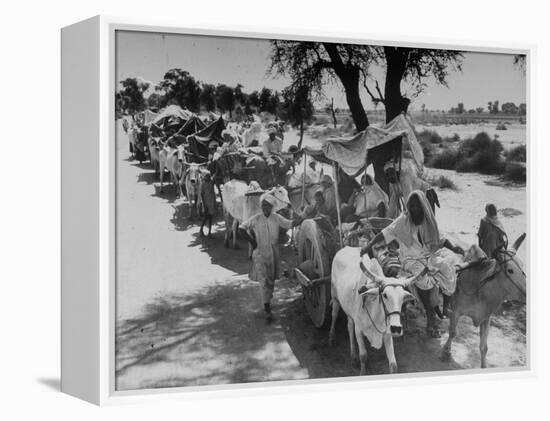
{"x":293,"y":210}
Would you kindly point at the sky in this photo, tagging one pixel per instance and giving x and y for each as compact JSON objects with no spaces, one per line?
{"x":485,"y":76}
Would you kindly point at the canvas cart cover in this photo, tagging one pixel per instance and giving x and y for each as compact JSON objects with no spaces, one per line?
{"x":192,"y":126}
{"x":172,"y":115}
{"x":198,"y":142}
{"x":148,"y":117}
{"x":351,"y":153}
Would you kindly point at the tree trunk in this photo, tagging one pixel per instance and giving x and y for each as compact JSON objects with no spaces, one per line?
{"x":333,"y":112}
{"x":351,"y":86}
{"x":396,"y":61}
{"x":349,"y":75}
{"x":301,"y":135}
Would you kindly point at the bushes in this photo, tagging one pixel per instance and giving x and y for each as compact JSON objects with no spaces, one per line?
{"x":517,"y":154}
{"x":446,"y":160}
{"x":515,"y":172}
{"x":427,"y":137}
{"x":478,"y":154}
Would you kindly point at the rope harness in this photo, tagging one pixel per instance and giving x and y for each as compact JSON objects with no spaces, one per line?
{"x":387,"y":313}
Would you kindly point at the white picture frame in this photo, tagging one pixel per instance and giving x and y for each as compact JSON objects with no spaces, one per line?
{"x":88,"y":209}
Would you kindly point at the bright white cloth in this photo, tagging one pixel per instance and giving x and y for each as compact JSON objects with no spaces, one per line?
{"x":421,"y":245}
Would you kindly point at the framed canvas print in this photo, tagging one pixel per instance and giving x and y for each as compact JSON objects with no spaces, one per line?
{"x":249,"y":209}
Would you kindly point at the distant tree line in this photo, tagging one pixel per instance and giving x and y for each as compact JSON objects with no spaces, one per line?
{"x":181,"y":88}
{"x":493,"y":107}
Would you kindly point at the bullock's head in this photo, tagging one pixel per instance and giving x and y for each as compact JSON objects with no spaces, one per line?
{"x":513,"y":278}
{"x":193,"y":172}
{"x":390,"y":293}
{"x":281,"y":198}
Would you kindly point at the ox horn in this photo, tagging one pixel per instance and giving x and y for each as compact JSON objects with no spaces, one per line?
{"x":518,"y":242}
{"x":372,"y":276}
{"x":410,"y":280}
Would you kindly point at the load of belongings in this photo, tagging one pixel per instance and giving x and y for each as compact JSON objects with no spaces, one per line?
{"x":172,"y":118}
{"x":248,"y":164}
{"x":193,"y":125}
{"x":351,"y":153}
{"x":198,"y":142}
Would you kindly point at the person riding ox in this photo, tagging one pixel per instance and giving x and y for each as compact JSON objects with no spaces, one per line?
{"x":421,"y":245}
{"x":491,"y":234}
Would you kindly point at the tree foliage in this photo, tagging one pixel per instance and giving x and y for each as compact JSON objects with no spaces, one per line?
{"x":225,"y":98}
{"x":130,"y":99}
{"x":297,"y":108}
{"x":181,"y":88}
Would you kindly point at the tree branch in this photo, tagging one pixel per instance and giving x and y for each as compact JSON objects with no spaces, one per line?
{"x":374,"y":98}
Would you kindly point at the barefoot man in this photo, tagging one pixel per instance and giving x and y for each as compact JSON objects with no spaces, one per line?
{"x":262,"y":231}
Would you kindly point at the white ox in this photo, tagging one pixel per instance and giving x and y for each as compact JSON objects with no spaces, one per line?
{"x":238,"y":206}
{"x":193,"y":184}
{"x":171,"y":159}
{"x":155,"y":146}
{"x":371,"y":301}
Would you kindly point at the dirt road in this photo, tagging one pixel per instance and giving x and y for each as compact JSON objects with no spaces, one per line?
{"x":188,"y":315}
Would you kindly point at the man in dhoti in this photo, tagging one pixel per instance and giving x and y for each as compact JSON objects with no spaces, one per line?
{"x":262,"y":231}
{"x":421,"y":245}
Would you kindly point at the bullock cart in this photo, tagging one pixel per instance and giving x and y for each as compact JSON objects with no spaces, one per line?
{"x":317,"y":242}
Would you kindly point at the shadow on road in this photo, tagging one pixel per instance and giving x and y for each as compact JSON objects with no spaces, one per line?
{"x":214,"y":336}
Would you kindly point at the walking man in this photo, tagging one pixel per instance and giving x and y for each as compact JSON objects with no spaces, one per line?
{"x":262,"y":231}
{"x":208,"y":197}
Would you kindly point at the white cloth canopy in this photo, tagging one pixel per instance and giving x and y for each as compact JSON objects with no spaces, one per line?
{"x":351,"y":153}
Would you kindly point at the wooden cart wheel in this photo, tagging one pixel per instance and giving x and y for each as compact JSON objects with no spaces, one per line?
{"x":317,"y":297}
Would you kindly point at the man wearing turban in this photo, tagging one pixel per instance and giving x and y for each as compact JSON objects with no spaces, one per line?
{"x":273,"y":144}
{"x":262,"y":231}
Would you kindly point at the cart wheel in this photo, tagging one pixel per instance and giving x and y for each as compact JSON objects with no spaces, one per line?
{"x":317,"y":298}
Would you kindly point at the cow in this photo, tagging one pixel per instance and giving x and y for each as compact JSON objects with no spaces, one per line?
{"x":169,"y":158}
{"x":482,"y":286}
{"x":238,"y":206}
{"x":192,"y":180}
{"x":371,"y":301}
{"x":155,"y":145}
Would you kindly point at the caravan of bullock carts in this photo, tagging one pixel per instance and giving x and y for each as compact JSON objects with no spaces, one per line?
{"x":367,"y":242}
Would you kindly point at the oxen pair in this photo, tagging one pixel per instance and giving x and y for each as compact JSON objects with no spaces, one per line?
{"x":373,"y":302}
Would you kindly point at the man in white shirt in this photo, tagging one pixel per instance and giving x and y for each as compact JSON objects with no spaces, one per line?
{"x":262,"y":231}
{"x":273,"y":144}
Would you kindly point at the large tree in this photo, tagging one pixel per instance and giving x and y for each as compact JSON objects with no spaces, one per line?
{"x":207,"y":97}
{"x":297,"y":108}
{"x":414,"y":66}
{"x":181,"y":88}
{"x":130,"y":98}
{"x":225,"y":98}
{"x":312,"y":63}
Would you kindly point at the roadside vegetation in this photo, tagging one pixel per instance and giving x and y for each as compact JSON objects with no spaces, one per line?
{"x":479,"y":154}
